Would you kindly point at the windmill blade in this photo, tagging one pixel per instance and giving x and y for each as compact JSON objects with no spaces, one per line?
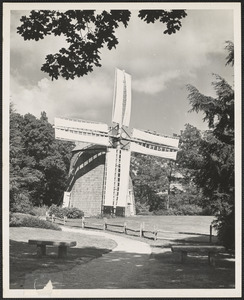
{"x":81,"y":131}
{"x":141,"y":135}
{"x":150,"y":149}
{"x":81,"y":136}
{"x":81,"y":124}
{"x":127,"y":110}
{"x":110,"y":167}
{"x":122,"y":98}
{"x":123,"y":182}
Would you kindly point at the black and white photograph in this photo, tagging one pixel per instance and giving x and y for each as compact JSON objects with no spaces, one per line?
{"x":121,"y":150}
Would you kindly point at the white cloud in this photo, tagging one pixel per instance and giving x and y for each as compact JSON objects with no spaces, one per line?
{"x":84,"y":97}
{"x":154,"y":84}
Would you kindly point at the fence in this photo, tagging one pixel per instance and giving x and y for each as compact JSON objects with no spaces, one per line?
{"x":156,"y":234}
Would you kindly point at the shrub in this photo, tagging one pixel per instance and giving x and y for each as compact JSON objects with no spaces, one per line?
{"x":21,"y":203}
{"x":169,"y":212}
{"x":225,"y":226}
{"x":24,"y":220}
{"x":60,"y":212}
{"x":190,"y":210}
{"x":39,"y":210}
{"x":74,"y":213}
{"x":184,"y":210}
{"x":142,"y":209}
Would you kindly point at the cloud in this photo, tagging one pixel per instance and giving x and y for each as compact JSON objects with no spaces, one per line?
{"x":85,"y":98}
{"x":155,"y":84}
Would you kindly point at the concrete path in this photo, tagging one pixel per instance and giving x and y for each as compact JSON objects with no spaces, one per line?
{"x":119,"y":269}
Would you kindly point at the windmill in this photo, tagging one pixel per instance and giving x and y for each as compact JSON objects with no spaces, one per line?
{"x":98,"y":145}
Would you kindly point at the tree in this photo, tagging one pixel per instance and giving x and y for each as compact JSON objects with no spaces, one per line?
{"x":154,"y":181}
{"x":216,"y":174}
{"x":86,"y":32}
{"x":38,"y":163}
{"x":150,"y":181}
{"x":190,"y":161}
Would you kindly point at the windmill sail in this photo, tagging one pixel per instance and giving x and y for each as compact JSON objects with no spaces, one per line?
{"x":155,"y":138}
{"x":154,"y":144}
{"x":122,"y":98}
{"x":127,"y":110}
{"x":117,"y":177}
{"x":78,"y":130}
{"x":149,"y":149}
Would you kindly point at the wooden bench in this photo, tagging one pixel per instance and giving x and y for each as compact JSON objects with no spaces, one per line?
{"x":210,"y":250}
{"x":62,"y":246}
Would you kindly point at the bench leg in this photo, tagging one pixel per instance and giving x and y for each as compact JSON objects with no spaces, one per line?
{"x":62,"y":251}
{"x":211,"y":258}
{"x":183,"y":256}
{"x":41,"y":250}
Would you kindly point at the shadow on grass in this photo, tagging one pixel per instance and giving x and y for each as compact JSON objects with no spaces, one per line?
{"x":118,"y":269}
{"x":24,"y":260}
{"x":195,"y":272}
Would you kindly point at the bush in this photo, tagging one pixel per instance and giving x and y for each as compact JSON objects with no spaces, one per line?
{"x":169,"y":212}
{"x":21,"y":204}
{"x":184,"y":210}
{"x":24,"y":220}
{"x":142,"y":209}
{"x":39,"y":210}
{"x":74,"y":213}
{"x":70,"y":213}
{"x":225,"y":226}
{"x":190,"y":210}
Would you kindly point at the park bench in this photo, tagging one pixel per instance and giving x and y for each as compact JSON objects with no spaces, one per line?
{"x":210,"y":250}
{"x":62,"y":246}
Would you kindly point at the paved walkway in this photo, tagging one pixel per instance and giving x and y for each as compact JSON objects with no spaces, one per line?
{"x":117,"y":269}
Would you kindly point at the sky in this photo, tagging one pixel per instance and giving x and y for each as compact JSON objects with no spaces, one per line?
{"x":160,"y":65}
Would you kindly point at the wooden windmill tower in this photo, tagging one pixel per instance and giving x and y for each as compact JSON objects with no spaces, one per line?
{"x":99,"y":174}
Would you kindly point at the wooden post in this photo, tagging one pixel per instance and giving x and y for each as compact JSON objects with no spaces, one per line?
{"x":155,"y":233}
{"x":82,"y":222}
{"x":211,"y":233}
{"x":143,"y":227}
{"x":125,"y":230}
{"x":141,"y":230}
{"x":105,"y":224}
{"x":65,"y":219}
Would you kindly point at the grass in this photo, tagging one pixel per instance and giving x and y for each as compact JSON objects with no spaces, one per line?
{"x":23,"y":259}
{"x":187,"y":224}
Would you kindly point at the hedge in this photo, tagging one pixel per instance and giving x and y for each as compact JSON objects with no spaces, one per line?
{"x":24,"y":220}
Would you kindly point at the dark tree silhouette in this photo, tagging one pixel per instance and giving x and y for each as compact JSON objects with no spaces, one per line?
{"x":86,"y":32}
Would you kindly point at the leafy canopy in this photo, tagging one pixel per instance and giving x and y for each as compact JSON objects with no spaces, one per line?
{"x":39,"y":163}
{"x":215,"y":173}
{"x":86,"y":32}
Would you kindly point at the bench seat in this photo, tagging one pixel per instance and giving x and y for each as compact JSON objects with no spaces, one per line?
{"x":62,"y":246}
{"x":210,"y":250}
